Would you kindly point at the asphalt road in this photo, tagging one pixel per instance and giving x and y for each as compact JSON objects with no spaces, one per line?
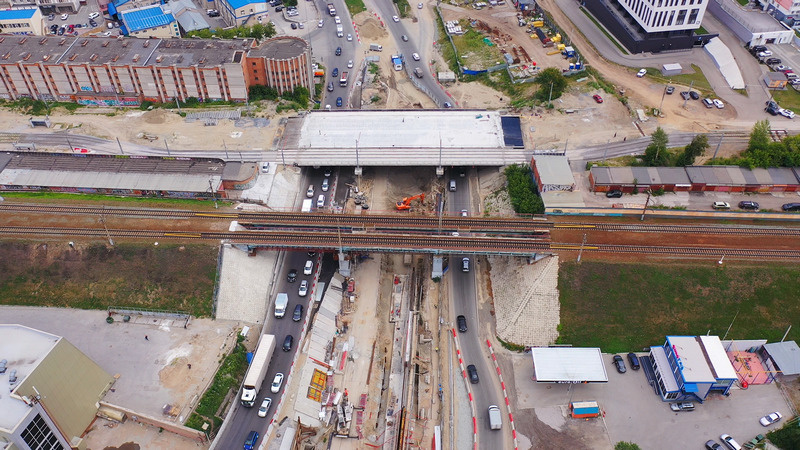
{"x":416,"y":39}
{"x":244,"y":419}
{"x":324,"y":43}
{"x":464,"y":299}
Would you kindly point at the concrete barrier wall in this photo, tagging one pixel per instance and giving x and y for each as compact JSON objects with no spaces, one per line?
{"x":176,"y":428}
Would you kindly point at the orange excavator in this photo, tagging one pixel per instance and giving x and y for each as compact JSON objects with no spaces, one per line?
{"x":406,"y":203}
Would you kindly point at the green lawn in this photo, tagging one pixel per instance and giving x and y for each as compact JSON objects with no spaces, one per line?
{"x":625,"y":307}
{"x":473,"y":51}
{"x":355,"y":6}
{"x":686,"y":79}
{"x":788,"y":99}
{"x":110,"y":200}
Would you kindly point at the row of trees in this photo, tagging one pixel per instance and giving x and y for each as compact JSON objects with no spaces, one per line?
{"x":258,"y":32}
{"x":299,"y":95}
{"x":659,"y":154}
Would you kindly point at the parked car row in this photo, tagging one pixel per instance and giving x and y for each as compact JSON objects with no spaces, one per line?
{"x":619,"y":363}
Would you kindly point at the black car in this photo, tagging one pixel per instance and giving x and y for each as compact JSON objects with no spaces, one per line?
{"x":712,"y":445}
{"x":695,"y":95}
{"x":670,"y":90}
{"x":619,"y":363}
{"x":791,"y":207}
{"x":292,"y":277}
{"x":92,"y":23}
{"x":61,"y":31}
{"x":773,"y":61}
{"x":338,"y":51}
{"x":327,"y":172}
{"x":748,"y":205}
{"x":279,"y":8}
{"x":287,"y":343}
{"x":634,"y":360}
{"x":758,"y":48}
{"x":294,"y":26}
{"x":772,"y":108}
{"x":339,"y":101}
{"x":614,"y":194}
{"x":298,"y":313}
{"x":473,"y":374}
{"x":461,"y":321}
{"x":335,"y":72}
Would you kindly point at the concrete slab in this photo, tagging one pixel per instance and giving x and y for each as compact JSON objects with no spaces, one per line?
{"x":244,"y":285}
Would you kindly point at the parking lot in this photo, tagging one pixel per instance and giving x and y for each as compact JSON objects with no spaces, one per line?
{"x":634,"y":413}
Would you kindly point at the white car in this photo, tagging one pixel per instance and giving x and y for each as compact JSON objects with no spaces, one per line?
{"x":787,"y":113}
{"x":303,"y":291}
{"x":415,"y":56}
{"x":265,"y":167}
{"x":308,"y":268}
{"x":277,"y":382}
{"x":395,"y":18}
{"x":349,"y":63}
{"x":765,"y":53}
{"x":320,"y":23}
{"x":265,"y":404}
{"x":721,"y":205}
{"x":94,"y":15}
{"x":337,"y":19}
{"x":419,"y":5}
{"x":64,"y":16}
{"x":641,"y":73}
{"x":718,"y":103}
{"x":769,"y":419}
{"x":349,"y":37}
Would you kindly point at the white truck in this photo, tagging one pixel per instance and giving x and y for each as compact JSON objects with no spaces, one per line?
{"x":331,"y":9}
{"x":397,"y":61}
{"x":281,"y":302}
{"x":307,"y":203}
{"x":376,"y":47}
{"x":495,"y":419}
{"x":257,"y":370}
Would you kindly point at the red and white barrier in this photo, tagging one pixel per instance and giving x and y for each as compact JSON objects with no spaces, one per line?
{"x":505,"y":395}
{"x":469,"y":391}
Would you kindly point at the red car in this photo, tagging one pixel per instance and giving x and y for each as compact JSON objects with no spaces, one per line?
{"x":597,"y":98}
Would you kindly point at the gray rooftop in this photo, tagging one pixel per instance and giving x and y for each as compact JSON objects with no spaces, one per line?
{"x":24,"y":348}
{"x":102,"y":50}
{"x":283,"y":47}
{"x":554,"y":169}
{"x":755,"y":20}
{"x":786,"y":355}
{"x":642,"y":175}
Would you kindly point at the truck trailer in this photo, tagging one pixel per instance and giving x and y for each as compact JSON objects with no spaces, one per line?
{"x":331,"y":9}
{"x":257,"y":370}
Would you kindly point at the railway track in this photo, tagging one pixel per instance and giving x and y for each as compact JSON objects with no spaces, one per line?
{"x":401,"y":243}
{"x":358,"y":222}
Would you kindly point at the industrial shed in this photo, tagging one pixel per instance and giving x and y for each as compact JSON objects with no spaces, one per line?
{"x":121,"y":175}
{"x":782,"y":356}
{"x":552,"y":173}
{"x":626,"y":179}
{"x":695,"y":179}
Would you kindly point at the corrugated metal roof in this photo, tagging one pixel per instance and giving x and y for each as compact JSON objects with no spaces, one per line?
{"x":12,"y":14}
{"x":782,"y":175}
{"x":718,"y":358}
{"x":786,"y":355}
{"x":147,"y":17}
{"x":551,"y":364}
{"x":109,"y":180}
{"x":192,"y":21}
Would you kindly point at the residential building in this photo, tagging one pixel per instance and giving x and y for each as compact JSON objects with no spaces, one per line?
{"x":282,"y":63}
{"x":21,"y":21}
{"x":52,"y":390}
{"x":237,"y":12}
{"x":786,"y":11}
{"x":753,"y":27}
{"x":691,"y":367}
{"x":654,"y":25}
{"x":154,"y":21}
{"x":46,"y":6}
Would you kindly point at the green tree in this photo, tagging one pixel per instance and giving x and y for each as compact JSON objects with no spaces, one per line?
{"x":522,"y":191}
{"x":788,"y":436}
{"x":695,"y":148}
{"x":551,"y":76}
{"x":622,"y":445}
{"x":656,"y":154}
{"x":259,"y":92}
{"x":759,"y":137}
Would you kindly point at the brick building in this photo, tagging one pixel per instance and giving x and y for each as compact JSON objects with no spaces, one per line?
{"x":125,"y":71}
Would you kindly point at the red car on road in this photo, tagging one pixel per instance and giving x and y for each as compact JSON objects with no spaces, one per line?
{"x":597,"y":98}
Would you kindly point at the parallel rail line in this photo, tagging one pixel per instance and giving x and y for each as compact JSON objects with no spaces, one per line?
{"x":403,"y":243}
{"x":269,"y":220}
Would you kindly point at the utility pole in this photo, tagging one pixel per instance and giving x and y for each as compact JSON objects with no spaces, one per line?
{"x":718,"y":145}
{"x":550,"y":97}
{"x":166,"y":145}
{"x":646,"y":202}
{"x":690,"y":90}
{"x":663,"y":94}
{"x":605,"y":151}
{"x":580,"y":253}
{"x":120,"y":147}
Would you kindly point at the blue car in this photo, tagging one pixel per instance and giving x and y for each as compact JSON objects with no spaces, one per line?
{"x":250,"y":442}
{"x":339,"y":101}
{"x":335,"y":72}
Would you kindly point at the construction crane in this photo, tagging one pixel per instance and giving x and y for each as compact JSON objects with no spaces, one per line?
{"x":406,"y":203}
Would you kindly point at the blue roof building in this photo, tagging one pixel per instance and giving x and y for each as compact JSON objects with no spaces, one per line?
{"x":692,"y":367}
{"x":21,"y":21}
{"x":237,"y":12}
{"x":150,"y":21}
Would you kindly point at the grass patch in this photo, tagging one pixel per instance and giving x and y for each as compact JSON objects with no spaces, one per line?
{"x":168,"y":277}
{"x":446,"y":49}
{"x":404,"y":7}
{"x":473,"y":52}
{"x":228,"y":377}
{"x":511,"y":346}
{"x":611,"y":38}
{"x":743,"y":2}
{"x":701,"y":30}
{"x":146,"y":202}
{"x":355,"y":6}
{"x":788,"y":99}
{"x":700,"y":81}
{"x":624,"y":307}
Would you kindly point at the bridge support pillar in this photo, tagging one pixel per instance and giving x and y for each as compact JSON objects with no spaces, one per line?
{"x":537,"y":257}
{"x":438,"y":267}
{"x":344,"y":265}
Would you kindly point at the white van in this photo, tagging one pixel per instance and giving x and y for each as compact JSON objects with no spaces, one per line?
{"x":321,"y":201}
{"x":325,"y":185}
{"x":495,"y":419}
{"x":310,"y":191}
